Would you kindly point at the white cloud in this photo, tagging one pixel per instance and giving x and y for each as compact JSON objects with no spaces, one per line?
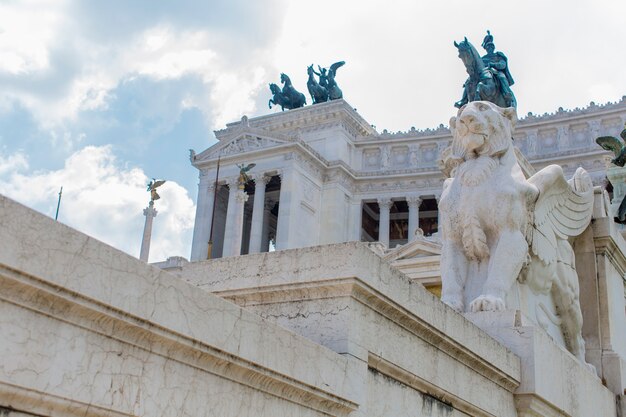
{"x":13,"y":163}
{"x":105,"y":201}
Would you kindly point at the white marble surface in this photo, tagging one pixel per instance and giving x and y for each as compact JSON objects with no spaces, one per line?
{"x":86,"y":327}
{"x":554,"y":383}
{"x":355,"y":303}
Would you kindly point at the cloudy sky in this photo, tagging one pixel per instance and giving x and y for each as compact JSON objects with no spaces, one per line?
{"x":98,"y":97}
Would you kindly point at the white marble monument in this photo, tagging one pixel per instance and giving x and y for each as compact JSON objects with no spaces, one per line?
{"x":494,"y":222}
{"x":339,"y":329}
{"x":331,"y":177}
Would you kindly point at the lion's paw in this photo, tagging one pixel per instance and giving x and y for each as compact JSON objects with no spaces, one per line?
{"x":487,"y":303}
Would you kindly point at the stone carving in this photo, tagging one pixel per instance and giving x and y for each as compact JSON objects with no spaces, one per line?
{"x":491,"y":216}
{"x":289,"y":97}
{"x":245,"y":144}
{"x":384,"y":158}
{"x":489,"y":76}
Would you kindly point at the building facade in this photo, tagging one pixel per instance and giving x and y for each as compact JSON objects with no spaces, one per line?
{"x":324,"y":175}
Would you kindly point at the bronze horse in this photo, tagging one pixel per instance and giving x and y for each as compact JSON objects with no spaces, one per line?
{"x":289,"y":97}
{"x":319,"y":93}
{"x":481,"y":84}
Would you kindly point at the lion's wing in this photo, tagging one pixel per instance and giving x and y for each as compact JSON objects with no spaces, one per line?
{"x":562,"y":210}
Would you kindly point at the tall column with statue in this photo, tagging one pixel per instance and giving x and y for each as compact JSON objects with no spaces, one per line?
{"x":150,"y":213}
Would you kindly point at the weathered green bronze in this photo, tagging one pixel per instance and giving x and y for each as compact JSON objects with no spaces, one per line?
{"x":326,"y":89}
{"x":317,"y":90}
{"x":489,"y":76}
{"x":289,"y":97}
{"x":613,"y":144}
{"x":334,"y":93}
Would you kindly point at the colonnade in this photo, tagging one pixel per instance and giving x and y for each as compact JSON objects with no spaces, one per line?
{"x":234,"y":223}
{"x":384,"y":219}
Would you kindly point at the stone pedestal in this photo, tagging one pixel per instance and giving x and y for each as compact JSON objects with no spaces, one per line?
{"x":150,"y":213}
{"x":554,"y":383}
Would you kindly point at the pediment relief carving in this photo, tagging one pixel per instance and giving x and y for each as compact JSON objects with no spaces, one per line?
{"x":419,"y":248}
{"x":242,"y":144}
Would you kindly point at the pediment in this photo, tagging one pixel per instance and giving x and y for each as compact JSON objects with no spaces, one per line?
{"x":419,"y":248}
{"x":246,"y":141}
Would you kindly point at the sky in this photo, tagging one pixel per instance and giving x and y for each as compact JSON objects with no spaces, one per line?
{"x":99,"y":97}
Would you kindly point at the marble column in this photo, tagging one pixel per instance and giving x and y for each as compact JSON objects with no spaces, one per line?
{"x":230,"y":212}
{"x":265,"y":233}
{"x":237,"y":226}
{"x":384,"y":205}
{"x":150,"y":214}
{"x":414,"y":215}
{"x":204,"y":214}
{"x":258,"y":212}
{"x":356,"y":210}
{"x":437,"y":198}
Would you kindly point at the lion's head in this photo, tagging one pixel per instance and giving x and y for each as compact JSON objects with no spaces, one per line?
{"x":481,"y":128}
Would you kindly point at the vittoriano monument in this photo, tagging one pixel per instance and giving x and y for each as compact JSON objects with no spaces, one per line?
{"x":326,"y":89}
{"x":489,"y":76}
{"x":289,"y":97}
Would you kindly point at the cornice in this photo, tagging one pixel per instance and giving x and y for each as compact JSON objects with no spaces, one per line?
{"x":530,"y":120}
{"x":337,"y":110}
{"x":373,"y":299}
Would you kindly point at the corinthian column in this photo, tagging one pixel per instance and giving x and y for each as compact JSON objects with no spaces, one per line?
{"x":414,"y":214}
{"x":240,"y":199}
{"x":230,"y":213}
{"x":204,"y":214}
{"x":256,"y":229}
{"x":384,"y":205}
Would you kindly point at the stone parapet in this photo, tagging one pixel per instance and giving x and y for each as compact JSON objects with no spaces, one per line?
{"x":356,"y":304}
{"x":88,"y":330}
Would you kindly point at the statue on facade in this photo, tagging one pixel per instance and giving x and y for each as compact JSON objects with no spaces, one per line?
{"x":489,"y":76}
{"x":317,"y":90}
{"x":500,"y":229}
{"x":287,"y":98}
{"x":610,"y":143}
{"x":243,"y":174}
{"x":152,"y":186}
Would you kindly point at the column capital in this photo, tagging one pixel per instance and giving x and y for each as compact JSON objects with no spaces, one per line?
{"x":384,"y":203}
{"x":232,"y":182}
{"x":414,"y":201}
{"x":150,"y":211}
{"x":241,"y":196}
{"x":260,"y":178}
